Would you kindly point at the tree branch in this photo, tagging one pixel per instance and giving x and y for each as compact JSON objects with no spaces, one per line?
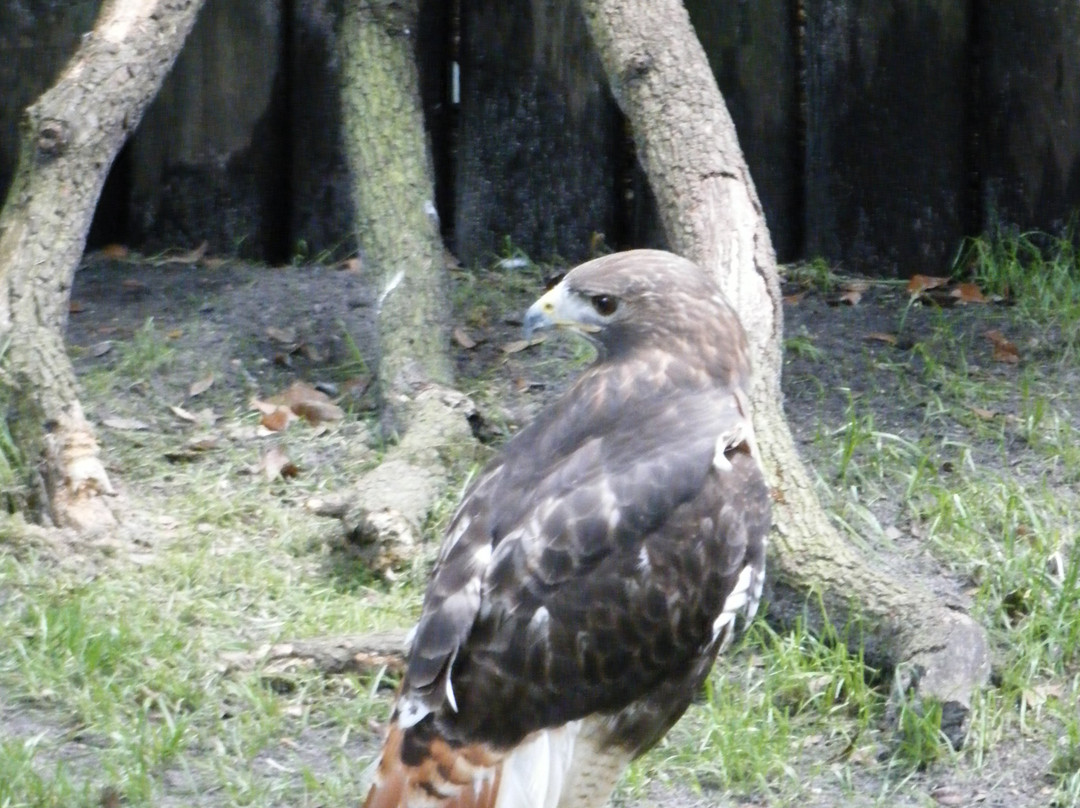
{"x":686,"y":141}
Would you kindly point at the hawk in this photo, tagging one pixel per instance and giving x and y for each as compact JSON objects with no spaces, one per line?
{"x":596,"y":566}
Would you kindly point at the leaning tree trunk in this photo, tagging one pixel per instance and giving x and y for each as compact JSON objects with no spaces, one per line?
{"x":687,"y":144}
{"x":394,"y":194}
{"x":70,"y":137}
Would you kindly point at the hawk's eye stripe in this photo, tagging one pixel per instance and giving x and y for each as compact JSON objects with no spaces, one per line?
{"x":604,"y":304}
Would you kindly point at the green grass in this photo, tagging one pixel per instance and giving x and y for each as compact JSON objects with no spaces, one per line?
{"x":127,"y":663}
{"x":1038,"y":272}
{"x":988,"y":488}
{"x":114,"y":685}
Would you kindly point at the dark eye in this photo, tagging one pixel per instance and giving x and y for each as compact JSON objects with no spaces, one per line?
{"x":605,"y":305}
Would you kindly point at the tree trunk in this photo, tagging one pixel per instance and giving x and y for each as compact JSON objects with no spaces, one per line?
{"x":394,"y":194}
{"x":687,"y":144}
{"x":70,"y":137}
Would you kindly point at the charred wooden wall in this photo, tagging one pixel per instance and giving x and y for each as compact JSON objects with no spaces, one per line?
{"x":37,"y":37}
{"x":753,"y":49}
{"x":886,"y":133}
{"x":1029,"y":85}
{"x":878,"y":134}
{"x":539,"y":145}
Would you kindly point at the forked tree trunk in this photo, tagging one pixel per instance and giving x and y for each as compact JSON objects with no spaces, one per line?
{"x":69,"y":139}
{"x":394,"y":194}
{"x":687,"y":144}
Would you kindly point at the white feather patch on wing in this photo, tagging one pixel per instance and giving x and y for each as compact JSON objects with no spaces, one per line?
{"x":450,"y":699}
{"x":410,"y":711}
{"x":743,"y":598}
{"x":741,"y":434}
{"x":643,"y":564}
{"x":538,"y":623}
{"x":534,"y":773}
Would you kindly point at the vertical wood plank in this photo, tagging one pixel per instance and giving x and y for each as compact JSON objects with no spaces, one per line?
{"x":1030,"y":129}
{"x":540,"y":141}
{"x":752,"y":48}
{"x":887,"y":120}
{"x":209,"y":161}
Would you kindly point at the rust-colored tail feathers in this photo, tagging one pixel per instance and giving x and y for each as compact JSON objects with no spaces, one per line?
{"x":447,"y":777}
{"x":559,"y":766}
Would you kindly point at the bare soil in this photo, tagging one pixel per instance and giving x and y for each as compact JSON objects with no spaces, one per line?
{"x":229,"y":319}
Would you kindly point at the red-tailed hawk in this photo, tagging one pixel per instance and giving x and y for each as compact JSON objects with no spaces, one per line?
{"x":595,"y":568}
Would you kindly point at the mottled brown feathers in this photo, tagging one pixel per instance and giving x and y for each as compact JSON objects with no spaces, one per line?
{"x":596,"y":566}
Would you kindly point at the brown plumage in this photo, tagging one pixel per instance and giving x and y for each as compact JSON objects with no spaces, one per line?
{"x":596,"y":566}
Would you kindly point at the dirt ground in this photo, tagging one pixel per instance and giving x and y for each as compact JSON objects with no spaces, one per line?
{"x":258,"y":328}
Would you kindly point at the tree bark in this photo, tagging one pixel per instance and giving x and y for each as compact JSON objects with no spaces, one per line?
{"x":394,"y":194}
{"x":70,"y":137}
{"x":687,"y":144}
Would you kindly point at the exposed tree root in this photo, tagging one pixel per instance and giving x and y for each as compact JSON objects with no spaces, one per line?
{"x":362,"y":653}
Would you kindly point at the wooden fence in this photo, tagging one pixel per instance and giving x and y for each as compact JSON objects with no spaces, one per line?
{"x":879,"y":134}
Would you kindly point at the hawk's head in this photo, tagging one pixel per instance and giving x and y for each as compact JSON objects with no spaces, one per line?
{"x":646,"y":300}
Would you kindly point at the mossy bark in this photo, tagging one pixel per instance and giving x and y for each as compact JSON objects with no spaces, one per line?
{"x":394,"y":194}
{"x":687,"y":144}
{"x":69,"y":139}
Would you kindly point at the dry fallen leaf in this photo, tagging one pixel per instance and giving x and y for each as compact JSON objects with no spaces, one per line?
{"x":175,"y":333}
{"x":75,"y":306}
{"x":132,"y":284}
{"x":793,"y":299}
{"x":879,"y":336}
{"x":518,"y":345}
{"x":275,"y":463}
{"x":201,"y":386}
{"x":983,"y":414}
{"x":191,"y":256}
{"x":949,"y":796}
{"x":202,"y":443}
{"x":204,"y":417}
{"x":318,"y":412}
{"x":127,"y":424}
{"x":114,"y":252}
{"x":1004,"y":351}
{"x":265,"y":407}
{"x":277,"y":419}
{"x":968,"y":293}
{"x":853,"y":292}
{"x":314,"y":406}
{"x":462,"y":338}
{"x":920,"y":283}
{"x":182,"y":414}
{"x":1033,"y":698}
{"x":193,"y":448}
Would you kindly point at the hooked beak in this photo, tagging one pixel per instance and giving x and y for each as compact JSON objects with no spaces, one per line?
{"x":557,"y":308}
{"x":541,"y":314}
